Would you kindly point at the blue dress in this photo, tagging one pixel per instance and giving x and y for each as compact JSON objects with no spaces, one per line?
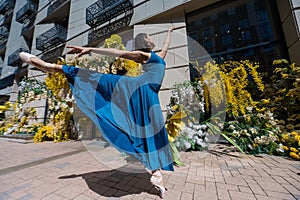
{"x":126,"y":110}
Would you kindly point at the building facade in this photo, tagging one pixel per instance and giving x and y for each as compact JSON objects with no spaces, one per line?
{"x":258,"y":30}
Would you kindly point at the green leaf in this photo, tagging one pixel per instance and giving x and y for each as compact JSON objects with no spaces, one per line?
{"x":218,"y":131}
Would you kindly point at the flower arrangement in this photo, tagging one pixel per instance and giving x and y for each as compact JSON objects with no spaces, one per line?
{"x":255,"y":132}
{"x":4,"y":108}
{"x":238,"y":77}
{"x":184,"y":114}
{"x":264,"y":125}
{"x":290,"y":144}
{"x":283,"y":92}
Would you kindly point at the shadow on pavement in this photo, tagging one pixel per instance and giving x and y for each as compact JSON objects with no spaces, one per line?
{"x":117,"y":182}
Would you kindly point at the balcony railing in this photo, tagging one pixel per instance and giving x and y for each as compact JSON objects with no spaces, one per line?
{"x":3,"y":36}
{"x":6,"y":6}
{"x":55,"y":4}
{"x":7,"y":81}
{"x":53,"y":55}
{"x":3,"y":32}
{"x":102,"y":32}
{"x":14,"y":59}
{"x":27,"y":12}
{"x":105,"y":10}
{"x":51,"y":38}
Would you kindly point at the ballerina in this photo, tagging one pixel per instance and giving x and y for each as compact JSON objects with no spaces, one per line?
{"x":127,"y":109}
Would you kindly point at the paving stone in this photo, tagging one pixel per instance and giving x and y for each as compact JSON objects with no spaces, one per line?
{"x":205,"y":176}
{"x":187,"y":187}
{"x":227,"y":186}
{"x":272,"y":186}
{"x":235,"y":181}
{"x":241,"y":196}
{"x":291,"y":189}
{"x":223,"y":194}
{"x":186,"y":196}
{"x":280,"y":195}
{"x":262,"y":197}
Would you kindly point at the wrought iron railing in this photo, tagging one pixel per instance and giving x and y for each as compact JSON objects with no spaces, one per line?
{"x":27,"y":12}
{"x":105,"y":10}
{"x":6,"y":6}
{"x":51,"y":38}
{"x":3,"y":32}
{"x":3,"y":44}
{"x":53,"y":55}
{"x":55,"y":4}
{"x":3,"y":36}
{"x":7,"y":81}
{"x":3,"y":19}
{"x":102,"y":32}
{"x":14,"y":59}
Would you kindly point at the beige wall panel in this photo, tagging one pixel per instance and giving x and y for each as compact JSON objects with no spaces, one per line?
{"x":175,"y":75}
{"x":154,"y":7}
{"x":181,"y":56}
{"x":290,"y":31}
{"x":284,"y":8}
{"x":170,"y":59}
{"x":164,"y":97}
{"x":294,"y":52}
{"x":34,"y":73}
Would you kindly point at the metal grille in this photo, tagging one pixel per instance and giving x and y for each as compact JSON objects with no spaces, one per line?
{"x":105,"y":31}
{"x":27,"y":12}
{"x":14,"y":59}
{"x":51,"y":38}
{"x":7,"y":81}
{"x":53,"y":55}
{"x":105,"y":10}
{"x":6,"y":6}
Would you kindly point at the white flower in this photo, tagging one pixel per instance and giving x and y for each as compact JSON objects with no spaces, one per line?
{"x":187,"y":145}
{"x":231,"y":127}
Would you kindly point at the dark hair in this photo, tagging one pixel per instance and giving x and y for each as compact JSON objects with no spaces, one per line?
{"x":140,"y":44}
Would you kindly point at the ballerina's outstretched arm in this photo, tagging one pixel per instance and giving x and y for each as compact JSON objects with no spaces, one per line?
{"x":166,"y":45}
{"x":138,"y":56}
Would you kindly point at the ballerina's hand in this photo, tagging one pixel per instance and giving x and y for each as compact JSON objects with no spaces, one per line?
{"x":171,"y":28}
{"x":80,"y":50}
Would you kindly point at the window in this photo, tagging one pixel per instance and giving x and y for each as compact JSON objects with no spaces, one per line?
{"x":226,"y":40}
{"x":244,"y":23}
{"x":225,"y":29}
{"x":244,"y":29}
{"x":207,"y":32}
{"x":208,"y":44}
{"x":246,"y":35}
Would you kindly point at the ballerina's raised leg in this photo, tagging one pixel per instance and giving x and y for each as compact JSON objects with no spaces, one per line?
{"x":40,"y":64}
{"x":157,"y":181}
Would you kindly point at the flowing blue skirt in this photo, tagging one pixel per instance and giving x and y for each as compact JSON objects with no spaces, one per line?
{"x":127,"y":112}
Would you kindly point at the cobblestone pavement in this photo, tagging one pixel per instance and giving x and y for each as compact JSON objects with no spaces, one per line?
{"x":67,"y":171}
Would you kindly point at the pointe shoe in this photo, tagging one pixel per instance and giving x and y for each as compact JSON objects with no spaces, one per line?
{"x":157,"y":182}
{"x":26,"y":58}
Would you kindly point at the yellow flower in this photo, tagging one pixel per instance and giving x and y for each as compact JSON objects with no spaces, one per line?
{"x":285,"y":148}
{"x":284,"y":76}
{"x":266,"y":101}
{"x":3,"y":109}
{"x":285,"y":137}
{"x":294,"y":155}
{"x":294,"y":149}
{"x":294,"y":133}
{"x":175,"y":107}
